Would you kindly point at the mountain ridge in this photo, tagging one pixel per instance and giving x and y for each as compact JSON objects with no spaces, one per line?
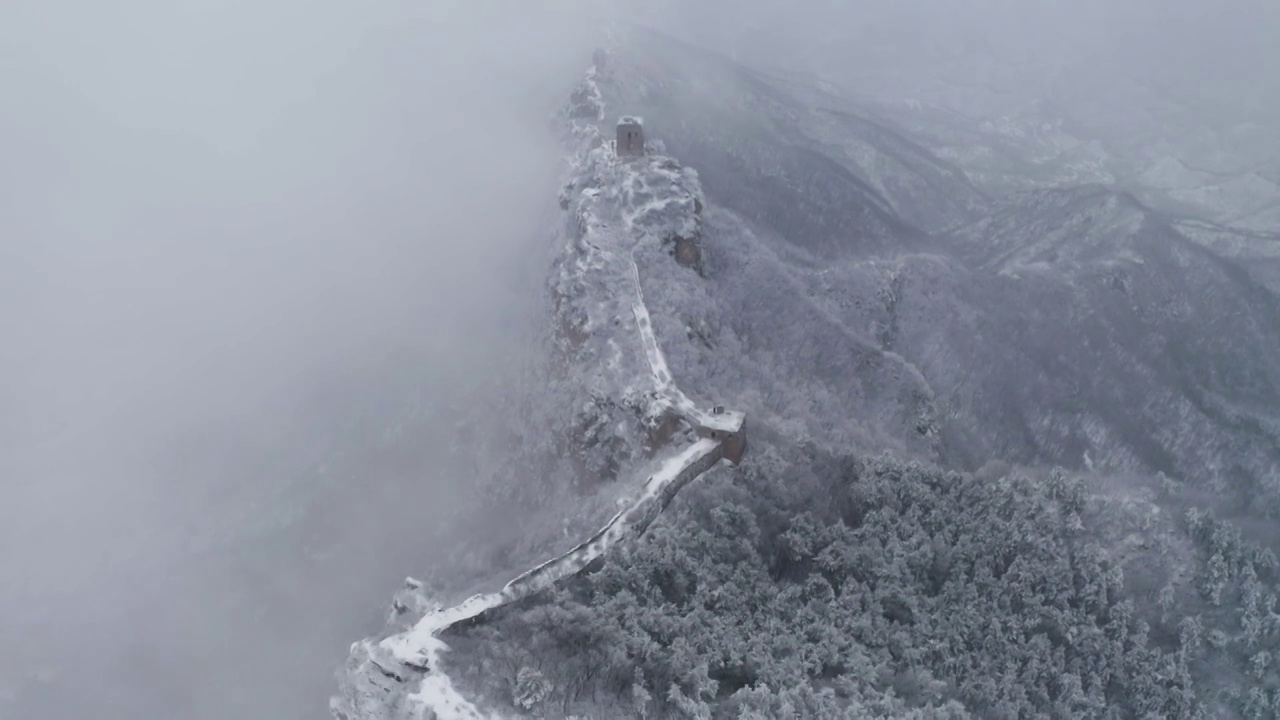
{"x":1059,"y":326}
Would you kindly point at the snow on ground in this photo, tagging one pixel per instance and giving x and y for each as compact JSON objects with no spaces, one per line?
{"x":437,"y":692}
{"x":422,"y":648}
{"x":726,"y":420}
{"x":662,"y":379}
{"x":618,"y":203}
{"x":1169,"y":173}
{"x":632,"y":520}
{"x":411,"y":647}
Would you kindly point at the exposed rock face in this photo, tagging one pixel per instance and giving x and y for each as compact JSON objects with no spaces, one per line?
{"x":373,"y":685}
{"x":689,"y":253}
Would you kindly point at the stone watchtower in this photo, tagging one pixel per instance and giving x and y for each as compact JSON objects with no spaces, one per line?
{"x":726,"y":426}
{"x":630,"y":136}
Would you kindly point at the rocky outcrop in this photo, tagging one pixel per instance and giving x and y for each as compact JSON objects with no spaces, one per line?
{"x":610,"y":207}
{"x":688,"y":252}
{"x":629,"y":407}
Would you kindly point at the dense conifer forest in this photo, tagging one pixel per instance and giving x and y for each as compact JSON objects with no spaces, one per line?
{"x":850,"y":587}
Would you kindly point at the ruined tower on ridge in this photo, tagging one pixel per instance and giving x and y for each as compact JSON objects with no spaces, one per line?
{"x":726,"y":426}
{"x":630,"y":136}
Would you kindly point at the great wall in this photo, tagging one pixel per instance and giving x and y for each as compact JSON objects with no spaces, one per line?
{"x":415,"y":656}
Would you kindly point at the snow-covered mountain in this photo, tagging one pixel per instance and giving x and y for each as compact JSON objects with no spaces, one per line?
{"x":852,"y":274}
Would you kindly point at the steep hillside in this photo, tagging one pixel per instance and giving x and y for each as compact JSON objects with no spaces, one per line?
{"x":1076,"y":327}
{"x":1257,"y":252}
{"x":830,"y":181}
{"x":1032,"y":145}
{"x":855,"y":294}
{"x":1071,"y":326}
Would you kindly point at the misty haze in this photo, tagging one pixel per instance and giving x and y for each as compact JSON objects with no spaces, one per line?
{"x":614,"y":359}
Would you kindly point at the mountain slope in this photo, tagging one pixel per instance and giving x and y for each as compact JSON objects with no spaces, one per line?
{"x":1072,"y":326}
{"x":854,"y":294}
{"x":829,"y":180}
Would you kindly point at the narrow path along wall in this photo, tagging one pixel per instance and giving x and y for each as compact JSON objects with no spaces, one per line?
{"x":414,"y":656}
{"x":411,"y":648}
{"x":720,"y":424}
{"x":419,"y":650}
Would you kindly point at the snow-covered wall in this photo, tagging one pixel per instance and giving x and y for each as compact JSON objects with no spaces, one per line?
{"x":606,"y":338}
{"x":612,"y":205}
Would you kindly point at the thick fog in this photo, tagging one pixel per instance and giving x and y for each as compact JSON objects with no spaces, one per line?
{"x":1182,"y":42}
{"x":224,"y":226}
{"x":1136,"y":72}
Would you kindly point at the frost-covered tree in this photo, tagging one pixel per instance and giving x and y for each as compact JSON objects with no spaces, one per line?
{"x":850,"y":588}
{"x":531,"y":690}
